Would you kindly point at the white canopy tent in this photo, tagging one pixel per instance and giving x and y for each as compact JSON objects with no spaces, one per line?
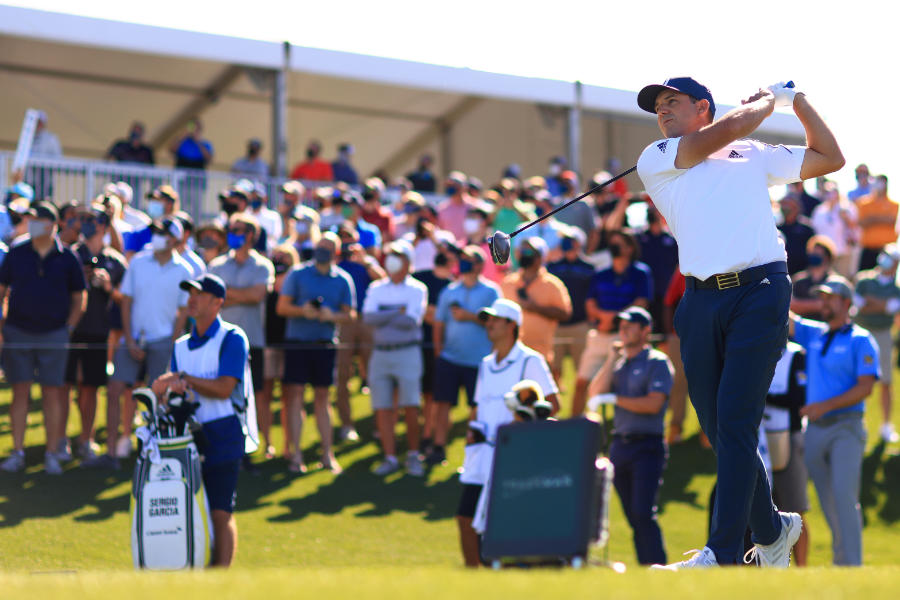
{"x":94,"y":77}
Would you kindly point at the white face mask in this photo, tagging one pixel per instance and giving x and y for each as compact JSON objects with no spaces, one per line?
{"x":393,"y":264}
{"x":37,"y":228}
{"x":155,"y":209}
{"x":885,"y":262}
{"x":471,"y":226}
{"x":159,"y":242}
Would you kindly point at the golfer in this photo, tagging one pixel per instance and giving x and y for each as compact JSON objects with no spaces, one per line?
{"x":711,"y":185}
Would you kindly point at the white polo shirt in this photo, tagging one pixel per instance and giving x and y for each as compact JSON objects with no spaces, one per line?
{"x":494,"y":380}
{"x":155,"y":294}
{"x":719,"y":210}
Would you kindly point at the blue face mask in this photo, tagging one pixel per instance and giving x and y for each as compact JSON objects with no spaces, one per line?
{"x":88,"y":229}
{"x":451,"y":190}
{"x":322,"y":255}
{"x":236,"y":241}
{"x":813,"y":260}
{"x":255,"y":204}
{"x":567,"y":244}
{"x":466,"y":266}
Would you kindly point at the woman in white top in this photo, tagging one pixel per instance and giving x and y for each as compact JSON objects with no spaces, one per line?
{"x":836,"y":218}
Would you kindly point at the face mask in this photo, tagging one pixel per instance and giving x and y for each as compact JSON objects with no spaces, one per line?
{"x":311,"y":153}
{"x":37,"y":228}
{"x":236,"y":241}
{"x":368,"y":195}
{"x":815,"y":260}
{"x":208,"y":243}
{"x":155,"y":209}
{"x":393,"y":264}
{"x":88,"y":229}
{"x":471,"y":226}
{"x":302,"y":227}
{"x":281,"y":267}
{"x":441,"y":260}
{"x":554,"y":170}
{"x":451,"y":190}
{"x":159,"y":242}
{"x":466,"y":266}
{"x":539,"y":211}
{"x":135,"y":136}
{"x":256,"y":204}
{"x":228,"y":208}
{"x":322,"y":255}
{"x":885,"y":262}
{"x":567,"y":244}
{"x":527,"y":259}
{"x":615,"y":250}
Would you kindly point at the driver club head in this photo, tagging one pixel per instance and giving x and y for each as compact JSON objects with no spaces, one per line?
{"x":499,"y":245}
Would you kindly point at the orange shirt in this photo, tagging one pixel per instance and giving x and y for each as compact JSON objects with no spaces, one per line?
{"x":537,"y":331}
{"x":877,"y":235}
{"x":313,"y":170}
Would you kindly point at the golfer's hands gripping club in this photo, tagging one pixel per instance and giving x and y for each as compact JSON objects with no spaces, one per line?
{"x":784,"y":92}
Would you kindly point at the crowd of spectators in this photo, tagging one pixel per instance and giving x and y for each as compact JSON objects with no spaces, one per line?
{"x":336,"y":277}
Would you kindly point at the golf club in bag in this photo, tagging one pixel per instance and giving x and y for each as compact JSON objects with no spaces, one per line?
{"x":499,"y":243}
{"x":171,"y":526}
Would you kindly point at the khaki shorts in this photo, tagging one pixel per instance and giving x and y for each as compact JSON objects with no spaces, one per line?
{"x":595,"y":353}
{"x":885,"y":352}
{"x":273,"y":363}
{"x":789,"y":484}
{"x":571,"y":340}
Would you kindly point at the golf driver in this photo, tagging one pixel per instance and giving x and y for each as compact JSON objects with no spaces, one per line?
{"x":499,"y":242}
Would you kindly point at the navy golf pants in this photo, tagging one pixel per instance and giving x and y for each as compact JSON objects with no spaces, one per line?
{"x":730,"y":342}
{"x":638,"y":468}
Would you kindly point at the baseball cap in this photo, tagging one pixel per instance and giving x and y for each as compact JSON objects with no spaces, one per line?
{"x":686,"y":85}
{"x":44,"y":210}
{"x":124,"y":191}
{"x":164,"y":192}
{"x":636,"y":314}
{"x":210,"y":283}
{"x":22,"y":190}
{"x":503,"y":309}
{"x":168,"y":226}
{"x":538,"y":244}
{"x":403,"y":248}
{"x":837,"y":286}
{"x":293,"y":187}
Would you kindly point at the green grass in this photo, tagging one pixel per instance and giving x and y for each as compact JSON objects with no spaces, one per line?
{"x":357,"y":534}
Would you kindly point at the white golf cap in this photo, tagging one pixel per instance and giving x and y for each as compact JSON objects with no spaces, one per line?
{"x":403,"y":248}
{"x":504,"y":309}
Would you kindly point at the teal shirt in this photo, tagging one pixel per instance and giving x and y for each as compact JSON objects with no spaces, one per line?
{"x":869,"y":285}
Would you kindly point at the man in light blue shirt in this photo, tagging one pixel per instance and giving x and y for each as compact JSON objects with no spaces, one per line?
{"x":460,"y":341}
{"x":842,"y":366}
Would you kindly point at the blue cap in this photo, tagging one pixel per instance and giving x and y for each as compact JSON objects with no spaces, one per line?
{"x":23,"y":190}
{"x":686,"y":85}
{"x":636,"y":314}
{"x":210,"y":283}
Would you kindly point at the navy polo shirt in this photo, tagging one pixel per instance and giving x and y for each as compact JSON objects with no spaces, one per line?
{"x":361,"y":280}
{"x":649,"y":371}
{"x":835,"y":360}
{"x":660,"y":253}
{"x":617,"y":291}
{"x":306,"y":283}
{"x":40,"y":288}
{"x":576,"y":276}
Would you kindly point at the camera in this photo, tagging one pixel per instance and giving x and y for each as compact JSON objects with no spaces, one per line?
{"x":317,"y":301}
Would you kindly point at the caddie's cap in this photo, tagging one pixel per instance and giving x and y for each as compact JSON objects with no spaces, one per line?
{"x":686,"y":85}
{"x":44,"y":210}
{"x":835,"y":285}
{"x":210,"y":283}
{"x":503,"y":309}
{"x":636,"y":314}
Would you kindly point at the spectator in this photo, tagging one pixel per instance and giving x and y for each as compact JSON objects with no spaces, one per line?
{"x":510,"y":212}
{"x":292,"y":196}
{"x":284,"y":258}
{"x":544,"y":300}
{"x":267,"y":218}
{"x":452,"y":212}
{"x":45,"y":144}
{"x":787,"y":395}
{"x":427,"y":241}
{"x":678,"y":395}
{"x":372,"y":210}
{"x":306,"y":232}
{"x":553,"y":180}
{"x":153,"y":316}
{"x":460,"y":341}
{"x":19,"y":194}
{"x":659,"y":252}
{"x":836,"y":218}
{"x":628,"y":282}
{"x":878,"y":302}
{"x":212,"y":241}
{"x":550,"y":230}
{"x":476,"y":225}
{"x":191,"y":151}
{"x":422,"y":178}
{"x":820,"y":258}
{"x":251,"y":165}
{"x":405,"y":223}
{"x":349,"y":205}
{"x":326,"y":202}
{"x":314,"y":168}
{"x":807,"y":201}
{"x":436,"y":280}
{"x":796,"y":230}
{"x":69,"y":227}
{"x":184,"y":248}
{"x":341,"y":168}
{"x":46,"y":299}
{"x":513,"y":171}
{"x":248,"y":278}
{"x":576,"y":275}
{"x":475,"y":188}
{"x":315,"y":298}
{"x":135,"y":218}
{"x":636,"y":380}
{"x":395,"y":308}
{"x":104,"y":269}
{"x":236,"y":199}
{"x":132,"y":149}
{"x":510,"y":362}
{"x":877,"y":220}
{"x":863,"y":184}
{"x":355,"y":337}
{"x":162,"y":202}
{"x":611,"y":208}
{"x":620,"y":186}
{"x":842,"y":366}
{"x":582,"y":214}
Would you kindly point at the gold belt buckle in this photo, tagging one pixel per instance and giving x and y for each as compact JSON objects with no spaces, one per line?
{"x":728,"y":280}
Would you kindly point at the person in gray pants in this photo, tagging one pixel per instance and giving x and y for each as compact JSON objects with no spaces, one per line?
{"x":842,"y":366}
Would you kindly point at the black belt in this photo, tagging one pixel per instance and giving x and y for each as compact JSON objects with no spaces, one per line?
{"x":636,"y":437}
{"x":389,"y":347}
{"x":724,"y":281}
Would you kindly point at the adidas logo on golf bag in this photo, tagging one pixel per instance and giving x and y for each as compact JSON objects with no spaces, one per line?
{"x":166,"y":473}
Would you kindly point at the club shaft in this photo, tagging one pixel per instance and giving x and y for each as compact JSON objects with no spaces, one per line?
{"x":573,"y":201}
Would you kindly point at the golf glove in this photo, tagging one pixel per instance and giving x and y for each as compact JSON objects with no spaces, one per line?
{"x":784,"y":92}
{"x":595,"y":402}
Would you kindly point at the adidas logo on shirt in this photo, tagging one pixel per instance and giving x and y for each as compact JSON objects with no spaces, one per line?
{"x":662,"y":146}
{"x":734,"y":154}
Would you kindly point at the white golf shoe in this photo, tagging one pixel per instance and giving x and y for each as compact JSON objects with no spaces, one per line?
{"x":778,"y":553}
{"x":702,"y":559}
